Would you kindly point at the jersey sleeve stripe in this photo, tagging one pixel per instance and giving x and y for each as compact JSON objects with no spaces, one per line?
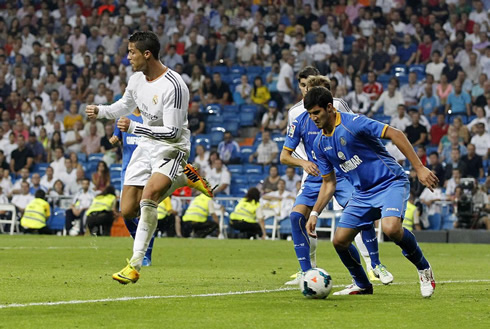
{"x":160,"y":136}
{"x":324,"y":176}
{"x":178,"y":90}
{"x":287,"y":148}
{"x":346,"y":106}
{"x":384,"y":131}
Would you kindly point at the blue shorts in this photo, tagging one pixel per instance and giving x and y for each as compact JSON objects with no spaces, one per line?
{"x":309,"y":193}
{"x":391,"y":202}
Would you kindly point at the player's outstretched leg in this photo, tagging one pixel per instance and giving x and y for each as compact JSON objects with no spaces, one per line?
{"x":132,"y":225}
{"x":301,"y":244}
{"x":351,"y":259}
{"x":406,"y":241}
{"x":369,"y":242}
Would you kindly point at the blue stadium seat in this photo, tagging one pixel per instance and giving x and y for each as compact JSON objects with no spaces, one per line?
{"x":251,"y":77}
{"x":116,"y":182}
{"x":254,"y":180}
{"x":216,"y":135}
{"x":348,"y":40}
{"x":419,"y":69}
{"x":403,"y":79}
{"x":399,"y":69}
{"x":40,"y":168}
{"x":237,"y":69}
{"x":220,"y":69}
{"x":242,"y":181}
{"x":383,"y":118}
{"x":435,"y":222}
{"x":249,"y":108}
{"x":232,"y":126}
{"x":383,"y":78}
{"x":91,"y":168}
{"x":82,"y":157}
{"x":57,"y":220}
{"x":213,"y":109}
{"x":364,"y":78}
{"x":231,"y":109}
{"x":204,"y":140}
{"x":257,"y":70}
{"x":253,"y":169}
{"x":267,"y":69}
{"x":285,"y":227}
{"x":115,"y":170}
{"x":245,"y":152}
{"x":247,"y":118}
{"x":238,"y":191}
{"x":237,"y":98}
{"x":214,"y":119}
{"x":235,"y":169}
{"x":95,"y":157}
{"x":282,"y":169}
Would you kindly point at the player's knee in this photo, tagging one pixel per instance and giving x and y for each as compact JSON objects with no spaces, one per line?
{"x":296,"y":219}
{"x":392,"y":227}
{"x":340,"y":244}
{"x":129,"y":211}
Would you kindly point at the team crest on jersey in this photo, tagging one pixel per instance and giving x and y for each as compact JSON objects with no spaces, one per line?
{"x":291,"y":130}
{"x":155,"y":99}
{"x":343,"y":142}
{"x":341,"y":156}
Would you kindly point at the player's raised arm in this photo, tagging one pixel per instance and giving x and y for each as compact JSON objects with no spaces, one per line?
{"x":324,"y":196}
{"x":426,"y":177}
{"x":124,"y":106}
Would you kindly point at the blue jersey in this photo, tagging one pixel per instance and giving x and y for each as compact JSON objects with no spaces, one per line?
{"x":354,"y":148}
{"x":130,"y":142}
{"x":302,"y":129}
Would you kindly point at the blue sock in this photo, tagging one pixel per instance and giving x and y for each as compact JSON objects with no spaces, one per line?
{"x":301,"y":240}
{"x":150,"y":247}
{"x":352,"y":261}
{"x":371,"y":242}
{"x":412,"y":251}
{"x":132,"y":225}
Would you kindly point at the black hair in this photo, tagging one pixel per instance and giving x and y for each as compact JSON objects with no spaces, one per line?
{"x":253,"y":194}
{"x":109,"y":190}
{"x":436,"y":52}
{"x":307,"y":71}
{"x":320,"y":96}
{"x":40,"y":194}
{"x":146,"y":41}
{"x":435,"y":153}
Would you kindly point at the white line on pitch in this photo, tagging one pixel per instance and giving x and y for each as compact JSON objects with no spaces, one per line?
{"x":48,"y":248}
{"x":218,"y":294}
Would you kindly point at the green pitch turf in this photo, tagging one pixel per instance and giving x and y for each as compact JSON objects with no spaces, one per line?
{"x":44,"y":269}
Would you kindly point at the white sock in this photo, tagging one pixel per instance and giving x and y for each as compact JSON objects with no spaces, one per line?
{"x":146,"y":228}
{"x":313,"y":245}
{"x":364,"y":252}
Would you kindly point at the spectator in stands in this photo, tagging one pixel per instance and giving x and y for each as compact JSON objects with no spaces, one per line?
{"x":3,"y":163}
{"x":452,"y":183}
{"x":389,"y":100}
{"x":429,"y":103}
{"x":246,"y":53}
{"x":171,"y":59}
{"x":22,"y":199}
{"x":270,"y":182}
{"x":454,"y":161}
{"x":69,"y":176}
{"x":291,"y":178}
{"x":91,"y":141}
{"x":197,"y":79}
{"x":267,"y":150}
{"x":272,"y":120}
{"x":372,"y":88}
{"x":380,"y":60}
{"x":473,"y":69}
{"x":458,"y":101}
{"x":201,"y":159}
{"x":226,"y":51}
{"x":36,"y":214}
{"x":247,"y":216}
{"x":451,"y":69}
{"x":38,"y":151}
{"x":22,"y":156}
{"x":280,"y":201}
{"x":243,"y":90}
{"x":220,"y":176}
{"x":260,"y":94}
{"x":48,"y":179}
{"x":444,"y":89}
{"x":461,"y":129}
{"x":479,"y":88}
{"x":195,"y":218}
{"x":74,"y":138}
{"x":195,"y":119}
{"x":481,"y":140}
{"x":406,"y":52}
{"x":402,"y":121}
{"x":424,"y":50}
{"x":358,"y":101}
{"x":101,"y":212}
{"x":437,"y":167}
{"x":285,"y":81}
{"x":438,"y":130}
{"x":36,"y":184}
{"x":220,"y":90}
{"x":440,"y":43}
{"x":416,"y":133}
{"x":411,"y":90}
{"x":473,"y":163}
{"x":357,"y":58}
{"x":58,"y":163}
{"x":229,"y":150}
{"x":24,"y":177}
{"x":435,"y":67}
{"x":480,"y":118}
{"x":101,"y":178}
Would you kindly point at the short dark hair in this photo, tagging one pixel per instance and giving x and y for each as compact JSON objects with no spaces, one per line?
{"x":320,"y":96}
{"x":434,"y":153}
{"x":253,"y":194}
{"x":307,"y":71}
{"x":40,"y":194}
{"x":146,"y":41}
{"x":436,"y":52}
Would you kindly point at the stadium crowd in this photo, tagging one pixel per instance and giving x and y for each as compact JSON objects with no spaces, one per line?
{"x":421,"y":66}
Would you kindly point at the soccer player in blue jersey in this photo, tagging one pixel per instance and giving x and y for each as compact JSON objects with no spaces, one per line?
{"x":351,"y":144}
{"x":299,"y":141}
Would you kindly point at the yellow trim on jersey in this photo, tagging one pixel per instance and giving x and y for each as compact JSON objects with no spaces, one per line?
{"x":158,"y":77}
{"x":384,"y":131}
{"x":338,"y":120}
{"x":287,"y":148}
{"x":325,"y":176}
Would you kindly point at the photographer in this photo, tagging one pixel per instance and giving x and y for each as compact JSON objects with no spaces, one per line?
{"x":471,"y":206}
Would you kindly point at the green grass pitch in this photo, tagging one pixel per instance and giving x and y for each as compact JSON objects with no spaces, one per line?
{"x":47,"y":269}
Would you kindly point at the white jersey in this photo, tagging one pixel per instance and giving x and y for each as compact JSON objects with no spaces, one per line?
{"x":163,"y":104}
{"x":299,"y":108}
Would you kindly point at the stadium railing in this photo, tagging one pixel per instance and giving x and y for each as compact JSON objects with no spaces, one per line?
{"x":14,"y":224}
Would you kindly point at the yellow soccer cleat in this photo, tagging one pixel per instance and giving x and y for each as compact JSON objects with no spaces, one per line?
{"x":127,"y":275}
{"x":372,"y":276}
{"x":197,"y":182}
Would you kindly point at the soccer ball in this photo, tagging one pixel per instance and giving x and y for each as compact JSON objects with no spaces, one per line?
{"x":316,"y":283}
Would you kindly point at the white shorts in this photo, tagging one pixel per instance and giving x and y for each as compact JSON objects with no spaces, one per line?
{"x":153,"y":157}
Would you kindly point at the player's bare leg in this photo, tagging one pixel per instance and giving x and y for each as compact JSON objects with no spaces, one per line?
{"x":130,"y":201}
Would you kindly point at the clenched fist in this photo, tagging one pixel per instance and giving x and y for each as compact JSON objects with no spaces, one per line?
{"x":92,"y":111}
{"x":123,"y":124}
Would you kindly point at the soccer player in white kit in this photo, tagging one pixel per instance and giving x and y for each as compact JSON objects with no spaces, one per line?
{"x":157,"y":165}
